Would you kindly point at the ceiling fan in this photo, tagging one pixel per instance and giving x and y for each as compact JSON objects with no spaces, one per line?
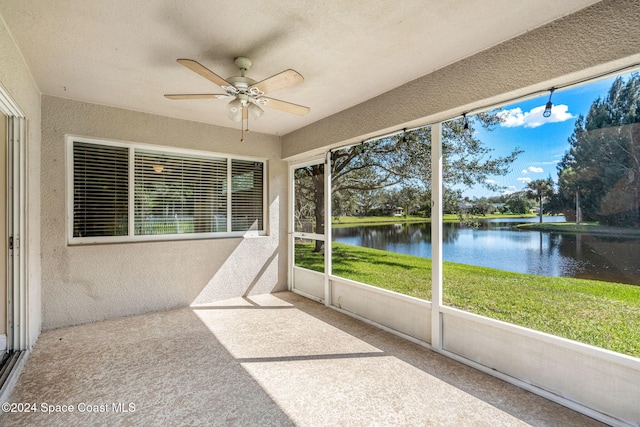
{"x":247,"y":95}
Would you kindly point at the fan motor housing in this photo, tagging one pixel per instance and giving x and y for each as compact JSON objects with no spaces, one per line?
{"x":241,"y":83}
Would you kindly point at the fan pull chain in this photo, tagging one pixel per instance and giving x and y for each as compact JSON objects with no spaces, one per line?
{"x":243,"y":129}
{"x":242,"y":125}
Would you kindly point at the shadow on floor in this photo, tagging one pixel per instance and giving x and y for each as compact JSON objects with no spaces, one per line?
{"x":260,"y":360}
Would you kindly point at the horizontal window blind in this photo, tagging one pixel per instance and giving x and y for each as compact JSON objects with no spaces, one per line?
{"x":100,"y":184}
{"x":178,"y":194}
{"x":247,"y":195}
{"x":132,"y":191}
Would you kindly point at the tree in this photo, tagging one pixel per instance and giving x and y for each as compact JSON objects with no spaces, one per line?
{"x":482,"y":207}
{"x":408,"y":197}
{"x":405,"y":159}
{"x":603,"y":160}
{"x":569,"y":186}
{"x":539,"y":190}
{"x":518,"y":203}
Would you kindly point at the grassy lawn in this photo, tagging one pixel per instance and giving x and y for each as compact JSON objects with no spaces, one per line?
{"x":602,"y":314}
{"x":584,"y":227}
{"x":345,"y":221}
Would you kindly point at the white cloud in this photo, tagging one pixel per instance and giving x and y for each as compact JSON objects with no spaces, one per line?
{"x":534,"y":169}
{"x":509,"y":190}
{"x":524,"y":179}
{"x":524,"y":171}
{"x":532,"y":119}
{"x":490,"y":181}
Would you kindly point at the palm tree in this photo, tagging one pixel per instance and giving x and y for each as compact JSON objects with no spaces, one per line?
{"x":539,"y":189}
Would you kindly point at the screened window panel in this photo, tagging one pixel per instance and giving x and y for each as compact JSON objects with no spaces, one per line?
{"x":179,"y":194}
{"x":247,"y":204}
{"x":100,"y":183}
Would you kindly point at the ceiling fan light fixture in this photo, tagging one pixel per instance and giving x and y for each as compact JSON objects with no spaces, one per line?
{"x":255,"y":111}
{"x":234,"y":110}
{"x":246,"y":92}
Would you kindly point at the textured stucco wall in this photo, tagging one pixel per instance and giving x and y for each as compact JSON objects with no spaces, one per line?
{"x":17,"y":81}
{"x":92,"y":282}
{"x":601,"y":37}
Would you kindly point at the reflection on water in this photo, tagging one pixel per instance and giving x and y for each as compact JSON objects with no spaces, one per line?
{"x":498,"y":244}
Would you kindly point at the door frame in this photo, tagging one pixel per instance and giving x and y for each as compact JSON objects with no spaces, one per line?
{"x":292,"y":234}
{"x":17,"y":295}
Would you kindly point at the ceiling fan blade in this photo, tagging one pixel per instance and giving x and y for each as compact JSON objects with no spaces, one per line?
{"x":204,"y":72}
{"x":279,"y":81}
{"x":287,"y":107}
{"x":197,"y":96}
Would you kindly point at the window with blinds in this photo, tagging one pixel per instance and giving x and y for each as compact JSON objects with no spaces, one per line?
{"x":178,"y":194}
{"x":100,"y":190}
{"x":127,"y":192}
{"x":246,"y":195}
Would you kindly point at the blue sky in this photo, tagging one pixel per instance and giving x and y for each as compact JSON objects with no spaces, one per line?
{"x":544,"y":140}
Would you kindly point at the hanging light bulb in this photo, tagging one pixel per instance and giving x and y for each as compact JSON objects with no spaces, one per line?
{"x":404,"y":135}
{"x":465,"y":122}
{"x":549,"y":106}
{"x":255,"y":111}
{"x":234,"y":110}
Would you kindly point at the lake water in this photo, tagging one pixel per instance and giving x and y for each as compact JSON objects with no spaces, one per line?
{"x":498,"y":244}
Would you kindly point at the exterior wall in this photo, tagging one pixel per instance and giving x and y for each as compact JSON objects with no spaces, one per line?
{"x":86,"y":283}
{"x":16,"y":79}
{"x":599,"y":38}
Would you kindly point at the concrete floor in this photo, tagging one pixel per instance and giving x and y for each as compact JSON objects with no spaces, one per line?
{"x":268,"y":360}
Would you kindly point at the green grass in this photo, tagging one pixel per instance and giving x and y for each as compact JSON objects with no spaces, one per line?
{"x":584,"y":227}
{"x":602,"y":314}
{"x":345,"y":221}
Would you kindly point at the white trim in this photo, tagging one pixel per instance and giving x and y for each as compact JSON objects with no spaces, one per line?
{"x":327,"y":230}
{"x":7,"y":106}
{"x":310,"y":236}
{"x":229,"y":182}
{"x":266,"y":222}
{"x":436,"y":235}
{"x":315,"y":160}
{"x":292,"y":234}
{"x":306,"y":295}
{"x":17,"y":329}
{"x":160,"y":149}
{"x":17,"y":338}
{"x":290,"y":226}
{"x":131,"y":199}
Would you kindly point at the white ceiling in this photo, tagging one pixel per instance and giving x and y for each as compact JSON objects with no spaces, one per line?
{"x":123,"y":52}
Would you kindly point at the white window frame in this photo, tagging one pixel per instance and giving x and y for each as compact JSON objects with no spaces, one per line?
{"x":131,"y":237}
